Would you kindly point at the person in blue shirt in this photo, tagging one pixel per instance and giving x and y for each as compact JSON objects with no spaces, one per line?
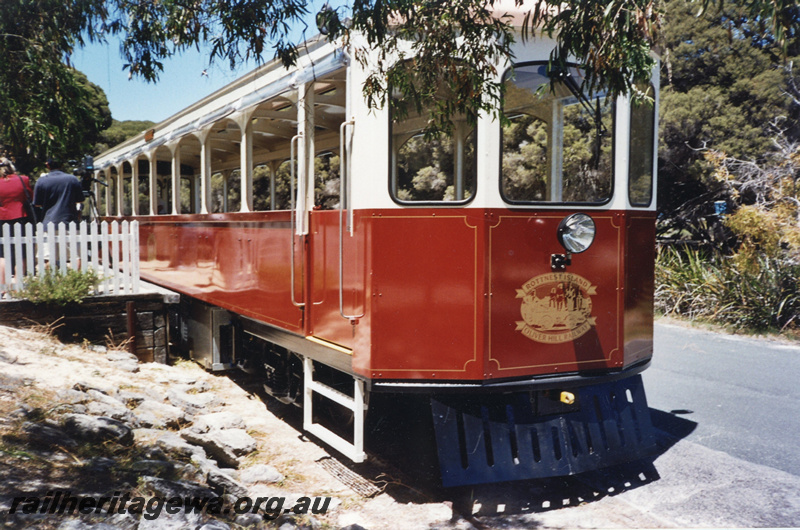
{"x":59,"y":195}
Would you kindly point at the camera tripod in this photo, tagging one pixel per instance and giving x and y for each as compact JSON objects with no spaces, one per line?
{"x":88,"y":193}
{"x":93,"y":215}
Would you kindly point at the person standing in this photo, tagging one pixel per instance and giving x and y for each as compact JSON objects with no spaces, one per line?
{"x":59,"y":195}
{"x":15,"y":195}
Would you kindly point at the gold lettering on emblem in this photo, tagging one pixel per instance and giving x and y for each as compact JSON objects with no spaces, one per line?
{"x":556,"y":307}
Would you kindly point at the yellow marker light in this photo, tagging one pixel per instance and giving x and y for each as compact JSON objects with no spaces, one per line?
{"x":567,"y":397}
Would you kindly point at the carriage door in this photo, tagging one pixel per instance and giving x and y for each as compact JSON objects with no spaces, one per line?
{"x":331,"y":259}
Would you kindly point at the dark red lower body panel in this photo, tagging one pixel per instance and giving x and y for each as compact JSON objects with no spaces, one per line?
{"x":429,"y":294}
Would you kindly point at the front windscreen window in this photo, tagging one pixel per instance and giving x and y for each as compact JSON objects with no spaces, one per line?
{"x":557,"y":141}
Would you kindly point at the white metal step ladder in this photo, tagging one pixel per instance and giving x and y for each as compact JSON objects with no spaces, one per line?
{"x":354,"y":451}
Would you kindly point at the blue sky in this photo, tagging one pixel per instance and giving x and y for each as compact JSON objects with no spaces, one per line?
{"x":185,"y":79}
{"x":182,"y":82}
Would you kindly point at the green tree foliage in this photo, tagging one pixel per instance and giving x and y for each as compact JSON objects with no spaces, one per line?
{"x":756,"y":285}
{"x":723,"y":84}
{"x":731,"y":132}
{"x":425,"y":168}
{"x":326,"y":181}
{"x":767,"y":222}
{"x":49,"y":109}
{"x":458,"y":41}
{"x":119,"y":131}
{"x":525,"y":158}
{"x":262,"y":199}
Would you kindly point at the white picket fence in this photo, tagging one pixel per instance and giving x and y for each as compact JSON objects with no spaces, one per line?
{"x":110,"y":249}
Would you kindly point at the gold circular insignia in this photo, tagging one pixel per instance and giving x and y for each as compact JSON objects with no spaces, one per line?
{"x":556,"y":307}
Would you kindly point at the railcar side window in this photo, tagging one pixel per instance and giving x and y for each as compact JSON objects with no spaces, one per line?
{"x":558,"y":142}
{"x":640,"y":159}
{"x":441,"y":168}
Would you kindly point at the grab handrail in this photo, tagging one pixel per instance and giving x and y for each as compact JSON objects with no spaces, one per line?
{"x":343,"y":194}
{"x":293,"y":215}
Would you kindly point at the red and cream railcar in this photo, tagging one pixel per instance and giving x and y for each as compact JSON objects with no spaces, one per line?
{"x":505,"y":269}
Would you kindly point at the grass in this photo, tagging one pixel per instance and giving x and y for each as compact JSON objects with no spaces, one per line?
{"x":759,"y":296}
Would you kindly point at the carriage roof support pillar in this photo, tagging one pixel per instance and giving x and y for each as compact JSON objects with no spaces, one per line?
{"x":205,"y":169}
{"x":153,"y":186}
{"x":245,"y":122}
{"x":305,"y":155}
{"x":120,"y":188}
{"x":107,"y":175}
{"x":134,"y":162}
{"x":176,"y":177}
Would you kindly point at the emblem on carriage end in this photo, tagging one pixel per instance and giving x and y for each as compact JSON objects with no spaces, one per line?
{"x":556,"y":307}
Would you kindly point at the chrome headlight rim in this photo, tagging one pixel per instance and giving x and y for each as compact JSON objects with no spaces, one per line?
{"x":576,"y":232}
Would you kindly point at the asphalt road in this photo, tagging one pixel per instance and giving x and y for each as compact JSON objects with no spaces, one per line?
{"x":729,"y":393}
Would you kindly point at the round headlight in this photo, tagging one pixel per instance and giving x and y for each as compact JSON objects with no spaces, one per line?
{"x":576,"y":232}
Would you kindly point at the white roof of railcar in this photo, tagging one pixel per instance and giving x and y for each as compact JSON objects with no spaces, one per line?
{"x":264,"y":82}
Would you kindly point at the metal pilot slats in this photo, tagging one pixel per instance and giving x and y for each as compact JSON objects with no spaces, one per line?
{"x":501,"y":438}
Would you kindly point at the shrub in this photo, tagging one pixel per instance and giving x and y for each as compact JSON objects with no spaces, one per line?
{"x":759,"y":293}
{"x":55,"y":287}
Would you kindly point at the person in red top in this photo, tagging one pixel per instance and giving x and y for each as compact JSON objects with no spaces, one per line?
{"x":15,"y":191}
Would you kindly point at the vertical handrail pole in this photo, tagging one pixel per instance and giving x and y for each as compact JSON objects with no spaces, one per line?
{"x":343,"y":177}
{"x":293,"y":215}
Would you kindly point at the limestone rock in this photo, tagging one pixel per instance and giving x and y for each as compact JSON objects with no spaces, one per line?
{"x":127,"y":366}
{"x":223,"y":483}
{"x":176,"y":488}
{"x":85,"y":386}
{"x":72,"y":396}
{"x":238,"y":440}
{"x":216,"y":421}
{"x":193,"y":403}
{"x":223,"y":446}
{"x":160,"y":415}
{"x":260,"y":473}
{"x":120,"y":356}
{"x":170,"y":521}
{"x":97,"y":429}
{"x":156,"y":468}
{"x":214,"y":525}
{"x":45,"y":435}
{"x":173,"y":443}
